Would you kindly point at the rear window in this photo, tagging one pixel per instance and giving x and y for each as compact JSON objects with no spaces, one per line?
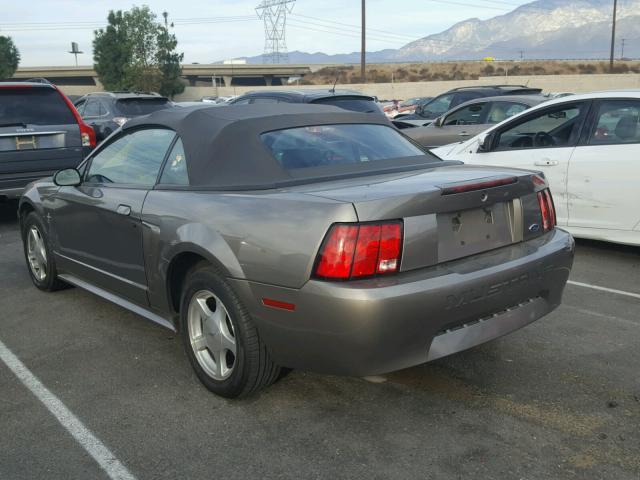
{"x":133,"y":107}
{"x":362,"y":105}
{"x":337,"y":145}
{"x":34,"y":106}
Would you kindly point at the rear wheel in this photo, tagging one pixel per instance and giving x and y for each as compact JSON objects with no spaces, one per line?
{"x":42,"y":268}
{"x":222,"y":343}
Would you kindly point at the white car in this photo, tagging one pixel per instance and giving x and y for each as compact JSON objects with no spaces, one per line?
{"x":588,"y":147}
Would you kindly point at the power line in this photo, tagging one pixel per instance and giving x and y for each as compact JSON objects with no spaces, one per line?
{"x":388,"y":32}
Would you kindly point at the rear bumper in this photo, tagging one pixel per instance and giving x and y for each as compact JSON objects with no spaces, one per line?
{"x":379,"y":325}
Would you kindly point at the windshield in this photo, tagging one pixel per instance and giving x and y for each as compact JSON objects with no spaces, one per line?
{"x":33,"y":106}
{"x":132,"y":107}
{"x":337,"y":145}
{"x":362,"y":105}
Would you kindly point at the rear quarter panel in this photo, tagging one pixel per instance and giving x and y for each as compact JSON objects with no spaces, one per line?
{"x":271,"y":238}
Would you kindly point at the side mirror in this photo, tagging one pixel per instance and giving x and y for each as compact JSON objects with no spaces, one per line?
{"x":69,"y":177}
{"x":419,"y":109}
{"x":485,"y":143}
{"x":438,"y":122}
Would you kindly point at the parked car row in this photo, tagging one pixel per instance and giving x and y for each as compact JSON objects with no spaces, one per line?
{"x":38,"y":125}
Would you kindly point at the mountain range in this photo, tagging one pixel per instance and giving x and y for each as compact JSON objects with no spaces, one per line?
{"x":543,"y":29}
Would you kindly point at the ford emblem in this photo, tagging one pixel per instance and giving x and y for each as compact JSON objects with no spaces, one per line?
{"x":534,"y":227}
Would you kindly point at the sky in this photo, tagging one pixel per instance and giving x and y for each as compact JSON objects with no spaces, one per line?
{"x":211,"y":30}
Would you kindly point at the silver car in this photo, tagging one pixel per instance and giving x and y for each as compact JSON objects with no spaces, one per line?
{"x":471,"y":118}
{"x":299,"y":236}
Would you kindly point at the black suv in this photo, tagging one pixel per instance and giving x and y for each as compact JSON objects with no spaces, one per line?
{"x":344,"y":99}
{"x":40,"y":132}
{"x":428,"y":112}
{"x":107,"y":111}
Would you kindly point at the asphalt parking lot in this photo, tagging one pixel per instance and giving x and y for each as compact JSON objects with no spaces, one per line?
{"x":558,"y":399}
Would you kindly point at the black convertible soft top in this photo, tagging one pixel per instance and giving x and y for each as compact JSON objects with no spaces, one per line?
{"x":224,"y":150}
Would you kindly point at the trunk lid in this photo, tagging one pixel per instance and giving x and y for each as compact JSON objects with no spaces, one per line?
{"x":448,"y":212}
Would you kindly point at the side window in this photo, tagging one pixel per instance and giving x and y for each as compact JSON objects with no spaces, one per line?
{"x":242,"y":101}
{"x":469,"y":115}
{"x":500,"y":111}
{"x":462,"y":97}
{"x":558,"y":127}
{"x":617,"y":121}
{"x":175,"y":170}
{"x":91,"y":108}
{"x":437,"y":106}
{"x":133,"y":159}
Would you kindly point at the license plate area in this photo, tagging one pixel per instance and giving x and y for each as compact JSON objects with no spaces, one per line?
{"x":472,"y":231}
{"x":36,"y":141}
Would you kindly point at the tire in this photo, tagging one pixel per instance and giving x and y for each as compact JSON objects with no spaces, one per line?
{"x":38,"y":254}
{"x":212,"y":319}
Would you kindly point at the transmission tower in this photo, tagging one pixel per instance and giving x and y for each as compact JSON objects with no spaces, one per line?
{"x":274,"y":15}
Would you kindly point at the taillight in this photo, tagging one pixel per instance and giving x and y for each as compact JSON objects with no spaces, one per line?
{"x":360,"y":250}
{"x":87,"y":134}
{"x":547,"y":210}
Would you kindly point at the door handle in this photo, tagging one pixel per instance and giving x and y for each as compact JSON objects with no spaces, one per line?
{"x":546,"y":162}
{"x":123,"y":210}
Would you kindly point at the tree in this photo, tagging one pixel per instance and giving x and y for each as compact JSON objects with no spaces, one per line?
{"x":169,"y":62}
{"x":9,"y":58}
{"x":135,"y":52}
{"x":112,"y":53}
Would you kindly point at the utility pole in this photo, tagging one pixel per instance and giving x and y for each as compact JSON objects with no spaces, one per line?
{"x":613,"y":35}
{"x":363,"y":47}
{"x":622,"y":48}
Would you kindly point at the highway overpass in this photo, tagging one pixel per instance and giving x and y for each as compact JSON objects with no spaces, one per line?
{"x":222,"y":75}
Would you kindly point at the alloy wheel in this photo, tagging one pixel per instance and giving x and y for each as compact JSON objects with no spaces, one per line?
{"x":211,"y":335}
{"x":37,"y":254}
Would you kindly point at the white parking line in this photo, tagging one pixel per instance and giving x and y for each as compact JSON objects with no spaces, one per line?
{"x":604,"y":289}
{"x":94,"y":447}
{"x":601,"y":315}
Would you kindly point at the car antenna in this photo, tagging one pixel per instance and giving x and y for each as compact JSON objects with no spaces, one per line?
{"x":333,"y":89}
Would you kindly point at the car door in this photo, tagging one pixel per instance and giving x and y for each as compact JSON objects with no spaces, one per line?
{"x":605,"y":167}
{"x":463,"y":123}
{"x":543,"y":140}
{"x":98,"y":234}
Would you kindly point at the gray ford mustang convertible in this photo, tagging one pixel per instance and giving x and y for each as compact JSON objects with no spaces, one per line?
{"x":298,"y":236}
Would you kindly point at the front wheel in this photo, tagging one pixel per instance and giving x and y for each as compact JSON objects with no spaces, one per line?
{"x":42,"y":268}
{"x":221,"y":342}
